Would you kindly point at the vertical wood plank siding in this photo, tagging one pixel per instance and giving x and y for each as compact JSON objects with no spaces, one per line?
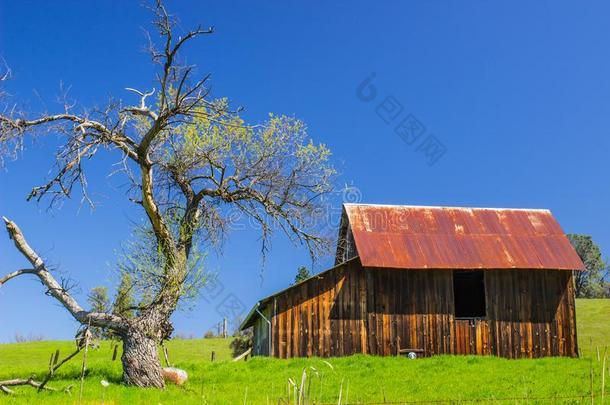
{"x":261,"y":335}
{"x":350,"y":309}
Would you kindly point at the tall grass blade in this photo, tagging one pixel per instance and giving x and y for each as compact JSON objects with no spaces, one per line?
{"x":302,"y":387}
{"x":604,"y":377}
{"x":347,"y":393}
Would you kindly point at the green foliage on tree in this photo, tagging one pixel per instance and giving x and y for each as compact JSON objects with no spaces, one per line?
{"x":98,"y":299}
{"x":99,"y":302}
{"x":123,"y":305}
{"x":143,"y":263}
{"x":302,"y":274}
{"x":591,"y":282}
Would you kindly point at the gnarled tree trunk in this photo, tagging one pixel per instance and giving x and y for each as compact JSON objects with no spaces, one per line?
{"x":141,"y":365}
{"x":140,"y":335}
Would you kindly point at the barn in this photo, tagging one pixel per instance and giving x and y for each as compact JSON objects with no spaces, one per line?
{"x":411,"y":280}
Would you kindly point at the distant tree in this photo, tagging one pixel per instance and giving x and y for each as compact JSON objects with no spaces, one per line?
{"x":302,"y":274}
{"x":209,"y":334}
{"x":589,"y":283}
{"x":99,"y":302}
{"x":98,"y":299}
{"x":183,"y":336}
{"x":123,"y":305}
{"x":32,"y":337}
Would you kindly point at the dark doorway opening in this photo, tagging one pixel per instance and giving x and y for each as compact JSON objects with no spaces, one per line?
{"x":469,"y":294}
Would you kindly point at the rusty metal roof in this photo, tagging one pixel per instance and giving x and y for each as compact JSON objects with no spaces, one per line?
{"x":414,"y":237}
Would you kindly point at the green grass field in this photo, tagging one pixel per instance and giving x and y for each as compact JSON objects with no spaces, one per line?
{"x":359,"y":379}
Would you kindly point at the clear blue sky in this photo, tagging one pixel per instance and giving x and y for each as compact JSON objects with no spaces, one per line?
{"x":517,"y":92}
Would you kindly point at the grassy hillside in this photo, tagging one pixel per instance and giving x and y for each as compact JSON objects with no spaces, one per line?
{"x":358,"y":378}
{"x":593,"y":325}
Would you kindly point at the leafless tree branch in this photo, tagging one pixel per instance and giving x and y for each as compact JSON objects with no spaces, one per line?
{"x":55,"y":288}
{"x":20,"y":381}
{"x":15,"y":274}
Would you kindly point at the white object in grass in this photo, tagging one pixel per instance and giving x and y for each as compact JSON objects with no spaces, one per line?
{"x":175,"y":375}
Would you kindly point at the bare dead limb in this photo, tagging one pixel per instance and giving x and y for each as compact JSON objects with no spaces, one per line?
{"x":54,"y":368}
{"x":21,"y":381}
{"x":54,"y":288}
{"x":142,"y":109}
{"x":15,"y":274}
{"x":84,"y":136}
{"x":243,"y":355}
{"x":6,"y":75}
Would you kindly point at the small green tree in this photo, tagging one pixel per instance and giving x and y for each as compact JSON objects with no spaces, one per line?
{"x":98,"y":299}
{"x":302,"y":274}
{"x":99,"y":302}
{"x":588,"y":283}
{"x":123,"y":305}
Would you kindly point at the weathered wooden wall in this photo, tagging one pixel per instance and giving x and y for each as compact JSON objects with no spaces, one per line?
{"x":260,"y":336}
{"x":530,"y":313}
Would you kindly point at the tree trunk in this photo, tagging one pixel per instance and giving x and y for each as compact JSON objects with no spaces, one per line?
{"x":141,"y":365}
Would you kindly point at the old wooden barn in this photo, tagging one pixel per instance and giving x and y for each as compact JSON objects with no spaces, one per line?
{"x":431,"y":280}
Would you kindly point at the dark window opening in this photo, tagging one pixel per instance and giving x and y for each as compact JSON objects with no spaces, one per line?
{"x":469,"y":294}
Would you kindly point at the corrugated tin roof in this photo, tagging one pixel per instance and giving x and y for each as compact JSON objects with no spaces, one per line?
{"x":415,"y":237}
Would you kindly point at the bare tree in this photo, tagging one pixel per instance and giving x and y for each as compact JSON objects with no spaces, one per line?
{"x":192,"y":163}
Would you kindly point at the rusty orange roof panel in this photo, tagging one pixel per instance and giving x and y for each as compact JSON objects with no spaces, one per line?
{"x":414,"y":237}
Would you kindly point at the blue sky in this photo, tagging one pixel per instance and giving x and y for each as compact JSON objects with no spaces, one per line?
{"x":517,"y":92}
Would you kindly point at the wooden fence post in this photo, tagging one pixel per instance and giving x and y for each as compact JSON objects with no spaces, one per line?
{"x":166,"y":355}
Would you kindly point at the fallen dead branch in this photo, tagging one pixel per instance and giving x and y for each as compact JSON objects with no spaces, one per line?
{"x":54,"y":368}
{"x":243,"y":355}
{"x":21,"y":381}
{"x":82,"y":341}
